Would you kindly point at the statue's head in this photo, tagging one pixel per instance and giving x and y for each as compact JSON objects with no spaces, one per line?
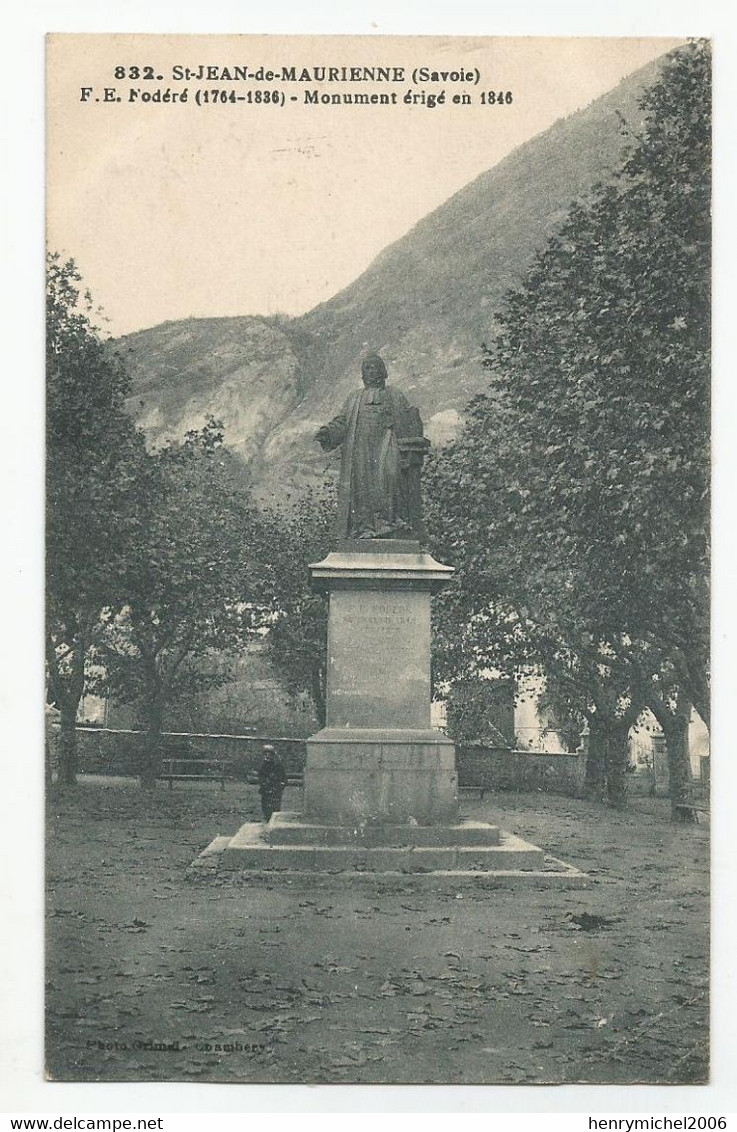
{"x":373,"y":371}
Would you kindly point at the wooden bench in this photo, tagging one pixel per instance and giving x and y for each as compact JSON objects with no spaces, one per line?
{"x":480,"y":790}
{"x":195,"y":770}
{"x":690,"y":812}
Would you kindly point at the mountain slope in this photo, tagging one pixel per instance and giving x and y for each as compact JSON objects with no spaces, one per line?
{"x":426,"y":303}
{"x":243,"y":371}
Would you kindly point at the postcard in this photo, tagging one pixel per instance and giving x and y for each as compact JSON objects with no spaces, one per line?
{"x":377,"y":721}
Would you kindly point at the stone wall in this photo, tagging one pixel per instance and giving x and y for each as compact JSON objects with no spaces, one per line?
{"x":500,"y":768}
{"x":109,"y":751}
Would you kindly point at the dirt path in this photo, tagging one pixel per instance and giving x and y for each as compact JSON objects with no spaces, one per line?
{"x":267,"y":983}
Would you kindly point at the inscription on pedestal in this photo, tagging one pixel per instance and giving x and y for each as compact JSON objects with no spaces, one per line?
{"x":379,"y":659}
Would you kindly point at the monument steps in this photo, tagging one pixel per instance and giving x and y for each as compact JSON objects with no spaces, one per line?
{"x":288,"y":828}
{"x":257,"y":851}
{"x":250,"y":849}
{"x":250,"y":856}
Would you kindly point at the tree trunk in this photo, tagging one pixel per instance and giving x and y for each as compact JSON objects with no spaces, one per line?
{"x":68,"y":742}
{"x":48,"y":770}
{"x":151,"y":767}
{"x":674,"y":724}
{"x":679,"y":767}
{"x":617,"y":762}
{"x":702,"y":703}
{"x":595,"y":775}
{"x":696,"y":665}
{"x":67,"y":691}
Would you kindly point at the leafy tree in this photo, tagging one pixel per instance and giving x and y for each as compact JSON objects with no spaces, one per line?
{"x":92,"y":456}
{"x":471,"y":703}
{"x":584,"y":678}
{"x":297,"y":639}
{"x":192,"y":586}
{"x":575,"y":504}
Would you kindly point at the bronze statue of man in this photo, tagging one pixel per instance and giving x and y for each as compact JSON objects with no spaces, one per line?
{"x":382,"y":448}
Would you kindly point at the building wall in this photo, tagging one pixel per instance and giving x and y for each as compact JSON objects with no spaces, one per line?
{"x":529,"y":731}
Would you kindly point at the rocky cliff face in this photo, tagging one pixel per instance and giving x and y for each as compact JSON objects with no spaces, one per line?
{"x":243,"y":371}
{"x":427,"y":304}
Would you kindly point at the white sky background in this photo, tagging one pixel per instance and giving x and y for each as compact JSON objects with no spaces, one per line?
{"x":176,"y":211}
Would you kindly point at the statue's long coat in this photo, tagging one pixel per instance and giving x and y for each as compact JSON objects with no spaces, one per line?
{"x":343,"y":431}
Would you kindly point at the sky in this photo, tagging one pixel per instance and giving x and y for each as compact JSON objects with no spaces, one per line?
{"x":177,"y":210}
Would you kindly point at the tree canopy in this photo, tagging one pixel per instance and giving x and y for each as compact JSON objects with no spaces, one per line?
{"x":92,"y":458}
{"x":575,"y":503}
{"x":191,"y":579}
{"x":297,"y":638}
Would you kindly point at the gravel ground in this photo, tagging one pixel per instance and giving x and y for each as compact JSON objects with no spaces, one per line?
{"x":155,"y":976}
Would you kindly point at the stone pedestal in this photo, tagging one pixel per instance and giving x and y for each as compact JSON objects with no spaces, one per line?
{"x":378,"y":760}
{"x":359,"y":776}
{"x":380,"y":785}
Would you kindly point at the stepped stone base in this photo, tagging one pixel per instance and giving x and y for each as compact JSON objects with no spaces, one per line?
{"x":286,"y":828}
{"x":465,"y":851}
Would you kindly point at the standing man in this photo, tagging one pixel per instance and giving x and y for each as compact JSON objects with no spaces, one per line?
{"x":272,"y":778}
